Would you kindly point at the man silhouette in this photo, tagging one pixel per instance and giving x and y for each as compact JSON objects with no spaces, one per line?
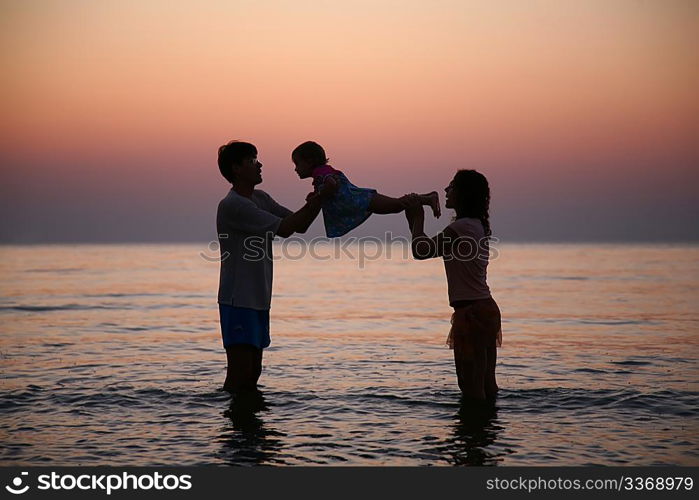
{"x":247,"y":221}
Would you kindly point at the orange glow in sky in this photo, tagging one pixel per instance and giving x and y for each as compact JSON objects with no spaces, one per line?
{"x":538,"y":94}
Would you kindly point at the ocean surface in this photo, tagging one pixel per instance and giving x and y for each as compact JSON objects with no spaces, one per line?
{"x":111,"y":355}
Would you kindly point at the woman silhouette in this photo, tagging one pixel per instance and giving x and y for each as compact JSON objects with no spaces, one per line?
{"x":464,"y":245}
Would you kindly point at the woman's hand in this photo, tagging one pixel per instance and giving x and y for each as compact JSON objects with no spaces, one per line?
{"x":413,"y":205}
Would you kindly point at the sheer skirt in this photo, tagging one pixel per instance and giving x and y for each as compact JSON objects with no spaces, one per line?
{"x":477,"y":326}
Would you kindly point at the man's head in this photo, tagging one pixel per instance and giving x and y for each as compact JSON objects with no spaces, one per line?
{"x":238,"y":163}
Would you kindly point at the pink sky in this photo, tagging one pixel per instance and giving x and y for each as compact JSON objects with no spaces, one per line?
{"x":584,"y":115}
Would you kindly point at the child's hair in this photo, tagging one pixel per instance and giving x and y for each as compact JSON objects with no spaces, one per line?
{"x":473,"y":197}
{"x":312,"y":152}
{"x":233,"y":153}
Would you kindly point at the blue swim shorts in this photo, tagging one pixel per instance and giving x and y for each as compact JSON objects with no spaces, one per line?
{"x":241,"y":325}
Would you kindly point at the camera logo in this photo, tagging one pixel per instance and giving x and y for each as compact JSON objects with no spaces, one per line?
{"x":17,"y":482}
{"x":215,"y":247}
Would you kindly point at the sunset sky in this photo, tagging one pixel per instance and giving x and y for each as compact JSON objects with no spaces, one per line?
{"x":584,"y":115}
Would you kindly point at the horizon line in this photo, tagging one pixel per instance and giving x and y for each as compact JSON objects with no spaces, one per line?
{"x":323,"y":239}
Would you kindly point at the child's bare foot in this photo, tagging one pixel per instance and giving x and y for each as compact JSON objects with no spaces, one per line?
{"x":433,"y":201}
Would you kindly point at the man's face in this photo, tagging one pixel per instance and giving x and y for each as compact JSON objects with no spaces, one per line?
{"x":249,"y":171}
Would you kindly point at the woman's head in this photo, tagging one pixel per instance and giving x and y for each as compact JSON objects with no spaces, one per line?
{"x":469,"y":195}
{"x":308,"y":156}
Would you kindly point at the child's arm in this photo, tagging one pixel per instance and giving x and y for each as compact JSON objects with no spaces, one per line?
{"x":320,"y":183}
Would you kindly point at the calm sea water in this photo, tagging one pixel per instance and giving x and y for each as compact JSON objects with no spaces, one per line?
{"x":111,"y":355}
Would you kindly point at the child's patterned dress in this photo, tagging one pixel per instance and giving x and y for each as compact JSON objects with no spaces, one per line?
{"x":348,"y":207}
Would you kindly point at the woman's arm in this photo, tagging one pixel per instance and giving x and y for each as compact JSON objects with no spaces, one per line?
{"x":423,"y":246}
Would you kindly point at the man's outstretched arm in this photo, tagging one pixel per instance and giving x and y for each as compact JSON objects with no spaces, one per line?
{"x":299,"y":221}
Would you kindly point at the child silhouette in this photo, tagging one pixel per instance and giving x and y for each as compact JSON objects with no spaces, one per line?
{"x":350,"y":205}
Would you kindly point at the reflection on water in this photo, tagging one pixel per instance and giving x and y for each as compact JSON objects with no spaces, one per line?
{"x":111,"y":355}
{"x":473,"y":437}
{"x":247,"y":441}
{"x":474,"y":432}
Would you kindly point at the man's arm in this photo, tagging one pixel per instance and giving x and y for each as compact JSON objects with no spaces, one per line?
{"x":279,"y":210}
{"x":299,"y":221}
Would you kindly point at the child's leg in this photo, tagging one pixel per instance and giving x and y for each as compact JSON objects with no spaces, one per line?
{"x":382,"y":204}
{"x":432,"y":201}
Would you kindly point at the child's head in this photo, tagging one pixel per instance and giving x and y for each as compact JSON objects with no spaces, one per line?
{"x":308,"y":156}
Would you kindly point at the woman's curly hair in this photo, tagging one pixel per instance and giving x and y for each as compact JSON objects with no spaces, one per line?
{"x":473,"y":197}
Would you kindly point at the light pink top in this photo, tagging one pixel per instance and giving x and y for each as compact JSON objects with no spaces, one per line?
{"x":467,"y":267}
